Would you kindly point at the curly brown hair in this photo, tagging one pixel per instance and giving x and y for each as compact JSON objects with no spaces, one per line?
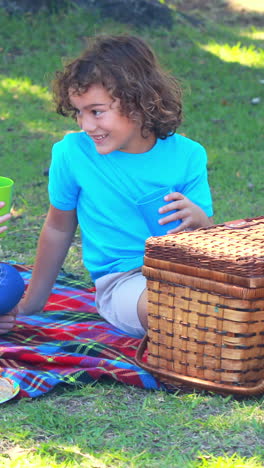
{"x":128,"y":69}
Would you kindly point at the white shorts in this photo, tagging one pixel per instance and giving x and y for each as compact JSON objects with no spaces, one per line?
{"x":117,"y":296}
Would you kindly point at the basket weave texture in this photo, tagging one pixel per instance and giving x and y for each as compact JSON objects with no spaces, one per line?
{"x":206,"y":306}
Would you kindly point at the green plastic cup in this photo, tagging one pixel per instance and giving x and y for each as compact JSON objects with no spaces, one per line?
{"x":6,"y":189}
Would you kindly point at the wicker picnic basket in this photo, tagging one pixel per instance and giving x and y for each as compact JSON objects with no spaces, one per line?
{"x":206,"y":308}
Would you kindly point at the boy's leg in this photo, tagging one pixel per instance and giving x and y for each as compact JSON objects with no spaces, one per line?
{"x":142,"y":309}
{"x":117,"y":299}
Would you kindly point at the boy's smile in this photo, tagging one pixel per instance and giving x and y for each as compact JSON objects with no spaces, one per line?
{"x":99,"y":115}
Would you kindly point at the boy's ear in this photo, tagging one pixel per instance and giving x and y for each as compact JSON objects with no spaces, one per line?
{"x":136,"y":117}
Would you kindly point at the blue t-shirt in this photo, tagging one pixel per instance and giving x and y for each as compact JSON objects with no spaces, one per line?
{"x":104,"y":190}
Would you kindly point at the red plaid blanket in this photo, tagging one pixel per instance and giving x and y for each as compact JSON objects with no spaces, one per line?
{"x":68,"y":343}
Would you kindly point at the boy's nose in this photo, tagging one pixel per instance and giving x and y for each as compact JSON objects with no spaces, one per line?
{"x":87,"y":125}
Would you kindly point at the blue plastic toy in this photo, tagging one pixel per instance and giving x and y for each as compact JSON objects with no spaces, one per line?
{"x":12,"y":288}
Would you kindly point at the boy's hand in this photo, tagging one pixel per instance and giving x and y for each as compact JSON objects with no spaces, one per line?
{"x":191,"y":215}
{"x":7,"y":321}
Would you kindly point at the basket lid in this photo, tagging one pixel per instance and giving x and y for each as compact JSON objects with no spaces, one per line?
{"x":231,"y":252}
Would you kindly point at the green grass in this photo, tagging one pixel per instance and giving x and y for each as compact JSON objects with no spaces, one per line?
{"x":118,"y":426}
{"x":221,"y":68}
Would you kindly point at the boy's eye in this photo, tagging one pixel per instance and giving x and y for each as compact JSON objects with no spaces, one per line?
{"x":96,"y":112}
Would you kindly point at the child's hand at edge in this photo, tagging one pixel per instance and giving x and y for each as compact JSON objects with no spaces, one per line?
{"x":7,"y":321}
{"x":192,"y":215}
{"x":4,"y":218}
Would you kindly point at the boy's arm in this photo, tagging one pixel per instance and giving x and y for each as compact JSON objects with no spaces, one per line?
{"x":54,"y":242}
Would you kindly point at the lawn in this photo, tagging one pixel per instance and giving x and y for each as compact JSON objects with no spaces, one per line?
{"x":218,"y":56}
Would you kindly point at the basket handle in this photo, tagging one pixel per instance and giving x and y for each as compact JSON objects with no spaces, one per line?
{"x":195,"y":382}
{"x":239,"y":224}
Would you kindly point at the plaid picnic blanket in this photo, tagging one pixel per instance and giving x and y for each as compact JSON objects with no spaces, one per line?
{"x":68,"y":343}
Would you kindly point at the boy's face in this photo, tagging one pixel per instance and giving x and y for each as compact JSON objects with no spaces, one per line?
{"x":99,"y":115}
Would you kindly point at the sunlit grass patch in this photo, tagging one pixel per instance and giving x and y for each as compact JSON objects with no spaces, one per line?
{"x":249,"y":56}
{"x":254,"y":34}
{"x":21,"y":86}
{"x":252,"y":5}
{"x":208,"y":461}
